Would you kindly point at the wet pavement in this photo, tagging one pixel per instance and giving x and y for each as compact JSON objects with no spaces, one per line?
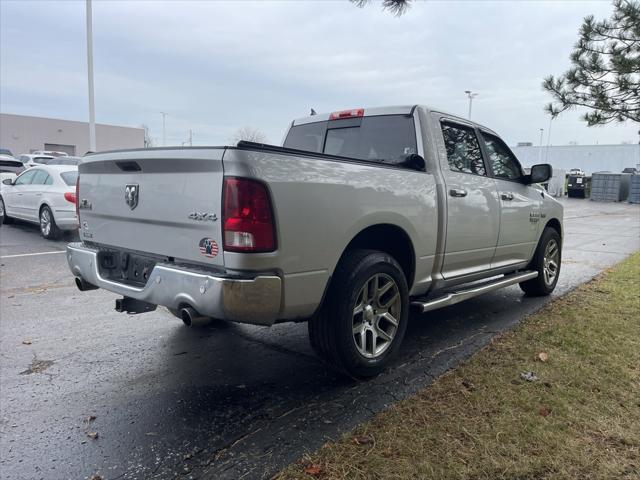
{"x":226,"y":401}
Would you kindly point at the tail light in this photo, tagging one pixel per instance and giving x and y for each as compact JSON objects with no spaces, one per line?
{"x":71,"y":197}
{"x":78,"y":198}
{"x":247,"y":218}
{"x":354,"y":113}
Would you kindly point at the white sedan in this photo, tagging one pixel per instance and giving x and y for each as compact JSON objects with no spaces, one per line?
{"x":45,"y":195}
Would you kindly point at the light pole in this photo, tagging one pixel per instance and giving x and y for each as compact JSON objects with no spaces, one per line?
{"x":190,"y":141}
{"x":546,"y":158}
{"x":164,"y":130}
{"x":470,"y":94}
{"x":540,"y":149}
{"x":92,"y":112}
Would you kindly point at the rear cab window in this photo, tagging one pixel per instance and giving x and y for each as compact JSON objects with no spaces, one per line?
{"x":386,"y":139}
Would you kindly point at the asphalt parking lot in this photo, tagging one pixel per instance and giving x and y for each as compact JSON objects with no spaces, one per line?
{"x":227,"y":401}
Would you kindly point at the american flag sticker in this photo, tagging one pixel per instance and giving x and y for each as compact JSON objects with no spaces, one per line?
{"x":208,"y":247}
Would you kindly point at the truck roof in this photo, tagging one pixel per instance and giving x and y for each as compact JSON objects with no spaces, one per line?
{"x":389,"y":110}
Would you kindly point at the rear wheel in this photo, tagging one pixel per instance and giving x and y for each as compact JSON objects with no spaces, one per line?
{"x":364,"y":317}
{"x":3,"y":213}
{"x":48,"y":226}
{"x":546,"y":262}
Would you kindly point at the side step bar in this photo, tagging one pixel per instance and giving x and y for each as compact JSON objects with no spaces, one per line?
{"x":473,"y":291}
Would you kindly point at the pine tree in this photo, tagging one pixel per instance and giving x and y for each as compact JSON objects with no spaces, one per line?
{"x":605,"y":72}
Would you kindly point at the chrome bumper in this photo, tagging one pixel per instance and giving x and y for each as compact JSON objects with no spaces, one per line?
{"x":255,"y":300}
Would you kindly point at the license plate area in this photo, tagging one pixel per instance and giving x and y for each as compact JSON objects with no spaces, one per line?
{"x":125,"y":267}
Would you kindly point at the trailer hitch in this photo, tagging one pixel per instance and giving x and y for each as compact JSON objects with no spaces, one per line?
{"x":132,"y":305}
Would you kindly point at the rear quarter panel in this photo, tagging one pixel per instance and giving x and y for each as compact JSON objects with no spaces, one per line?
{"x":320,"y":206}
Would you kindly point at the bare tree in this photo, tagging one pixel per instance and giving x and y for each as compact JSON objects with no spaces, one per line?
{"x":396,"y":7}
{"x":148,"y":141}
{"x":248,"y":134}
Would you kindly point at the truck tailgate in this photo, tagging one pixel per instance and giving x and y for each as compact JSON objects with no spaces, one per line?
{"x":164,"y":202}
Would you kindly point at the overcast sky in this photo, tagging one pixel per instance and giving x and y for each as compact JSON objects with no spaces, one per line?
{"x":215,"y":66}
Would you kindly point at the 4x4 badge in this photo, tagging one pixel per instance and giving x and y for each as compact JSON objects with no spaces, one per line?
{"x":131,"y":194}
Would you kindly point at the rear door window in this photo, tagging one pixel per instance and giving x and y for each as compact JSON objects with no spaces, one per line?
{"x":39,"y":178}
{"x":463,"y":149}
{"x":382,"y":138}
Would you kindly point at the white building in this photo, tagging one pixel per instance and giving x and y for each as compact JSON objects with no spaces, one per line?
{"x":23,"y":134}
{"x":590,"y":158}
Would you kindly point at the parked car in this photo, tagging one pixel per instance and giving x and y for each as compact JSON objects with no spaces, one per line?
{"x":10,"y":167}
{"x":32,"y":159}
{"x":44,"y":195}
{"x":577,"y":171}
{"x":6,"y":151}
{"x":631,"y":170}
{"x":65,"y":161}
{"x":52,"y":153}
{"x":361,"y":215}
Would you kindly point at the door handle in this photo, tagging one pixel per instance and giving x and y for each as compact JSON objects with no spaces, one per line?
{"x":457,"y":192}
{"x":506,"y":196}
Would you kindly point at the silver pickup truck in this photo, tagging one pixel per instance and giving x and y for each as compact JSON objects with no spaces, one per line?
{"x":361,"y":215}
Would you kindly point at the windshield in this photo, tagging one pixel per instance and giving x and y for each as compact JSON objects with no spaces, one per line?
{"x":42,"y":160}
{"x":69,"y":177}
{"x":384,"y":138}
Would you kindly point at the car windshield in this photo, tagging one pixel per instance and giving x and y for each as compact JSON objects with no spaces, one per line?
{"x":69,"y":177}
{"x":383,"y":138}
{"x":42,"y":160}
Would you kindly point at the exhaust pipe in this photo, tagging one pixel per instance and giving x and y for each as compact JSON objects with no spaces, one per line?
{"x":83,"y":285}
{"x":191,"y":318}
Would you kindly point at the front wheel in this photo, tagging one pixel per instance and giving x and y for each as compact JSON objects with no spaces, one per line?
{"x":546,"y":261}
{"x":48,"y":226}
{"x":364,"y":317}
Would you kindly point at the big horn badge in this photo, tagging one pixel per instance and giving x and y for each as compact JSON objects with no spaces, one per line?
{"x":208,"y":247}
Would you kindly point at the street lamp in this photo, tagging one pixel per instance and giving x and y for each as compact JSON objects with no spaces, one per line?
{"x":540,"y":150}
{"x":92,"y":111}
{"x":470,"y":94}
{"x":164,"y":131}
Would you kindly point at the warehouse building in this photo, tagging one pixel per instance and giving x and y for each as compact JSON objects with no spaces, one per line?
{"x":24,"y":134}
{"x":590,"y":158}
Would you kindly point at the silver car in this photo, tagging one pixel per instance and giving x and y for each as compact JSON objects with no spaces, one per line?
{"x":45,"y":195}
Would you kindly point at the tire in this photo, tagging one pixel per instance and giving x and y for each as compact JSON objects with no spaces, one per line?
{"x":332,"y":331}
{"x":48,"y":227}
{"x":546,"y":261}
{"x":3,"y":214}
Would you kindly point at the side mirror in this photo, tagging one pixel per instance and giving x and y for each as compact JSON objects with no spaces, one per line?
{"x":7,"y":181}
{"x":540,"y":173}
{"x":415,"y":162}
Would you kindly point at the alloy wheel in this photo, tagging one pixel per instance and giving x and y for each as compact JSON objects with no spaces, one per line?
{"x":375,"y":315}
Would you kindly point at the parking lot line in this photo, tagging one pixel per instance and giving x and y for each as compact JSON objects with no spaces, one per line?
{"x":31,"y":254}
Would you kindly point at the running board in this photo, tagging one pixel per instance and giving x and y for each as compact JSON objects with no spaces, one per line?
{"x":473,"y":291}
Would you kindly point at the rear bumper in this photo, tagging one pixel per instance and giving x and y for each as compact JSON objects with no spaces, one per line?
{"x":256,"y":300}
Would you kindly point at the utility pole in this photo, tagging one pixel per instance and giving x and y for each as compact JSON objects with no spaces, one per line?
{"x":92,"y":112}
{"x":164,"y":129}
{"x":470,"y":94}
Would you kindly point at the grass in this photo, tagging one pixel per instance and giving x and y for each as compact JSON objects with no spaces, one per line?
{"x":579,"y":420}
